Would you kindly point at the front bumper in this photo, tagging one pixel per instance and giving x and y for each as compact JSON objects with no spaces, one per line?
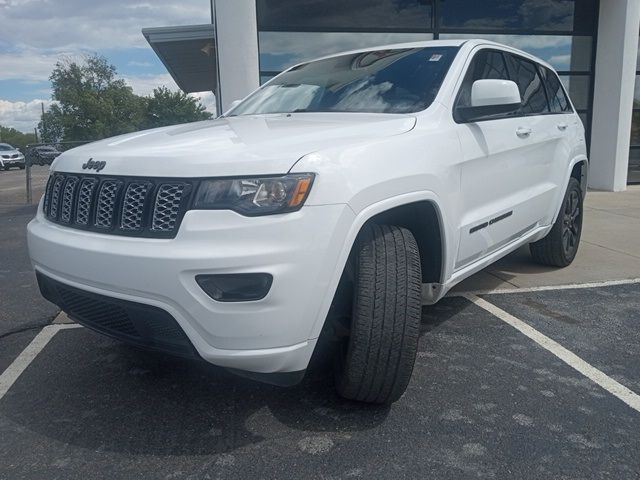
{"x":275,"y":334}
{"x":14,"y":162}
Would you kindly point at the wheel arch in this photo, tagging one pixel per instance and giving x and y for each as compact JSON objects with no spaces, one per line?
{"x":390,"y":209}
{"x":580,"y":171}
{"x":421,"y":218}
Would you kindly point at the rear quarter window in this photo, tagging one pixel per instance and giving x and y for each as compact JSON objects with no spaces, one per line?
{"x":558,"y":100}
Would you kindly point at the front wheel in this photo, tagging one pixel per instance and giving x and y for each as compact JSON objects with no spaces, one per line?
{"x":560,"y":246}
{"x":375,"y":364}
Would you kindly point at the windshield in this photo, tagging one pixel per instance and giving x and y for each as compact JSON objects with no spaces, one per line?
{"x":4,"y":147}
{"x":378,"y":81}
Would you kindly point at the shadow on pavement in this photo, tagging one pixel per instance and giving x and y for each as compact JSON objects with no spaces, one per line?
{"x":95,"y":393}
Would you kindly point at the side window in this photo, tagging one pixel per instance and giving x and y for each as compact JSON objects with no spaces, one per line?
{"x":525,"y":74}
{"x":485,"y":64}
{"x":557,"y":97}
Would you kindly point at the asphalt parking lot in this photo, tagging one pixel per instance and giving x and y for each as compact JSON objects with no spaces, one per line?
{"x":490,"y":395}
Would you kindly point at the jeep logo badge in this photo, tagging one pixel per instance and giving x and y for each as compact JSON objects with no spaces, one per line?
{"x":94,"y":165}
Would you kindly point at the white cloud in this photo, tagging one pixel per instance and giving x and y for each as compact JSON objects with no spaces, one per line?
{"x":27,"y":65}
{"x":35,"y":34}
{"x":144,"y":85}
{"x":82,"y":24}
{"x":133,"y":63}
{"x":23,"y":116}
{"x":208,"y":99}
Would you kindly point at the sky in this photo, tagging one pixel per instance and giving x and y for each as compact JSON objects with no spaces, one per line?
{"x":34,"y":34}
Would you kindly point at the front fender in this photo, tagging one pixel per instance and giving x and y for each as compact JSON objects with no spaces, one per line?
{"x":360,"y":219}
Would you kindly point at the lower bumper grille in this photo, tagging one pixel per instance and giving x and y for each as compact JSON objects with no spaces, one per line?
{"x":136,"y":323}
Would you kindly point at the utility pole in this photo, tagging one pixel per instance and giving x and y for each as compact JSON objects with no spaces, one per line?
{"x":44,"y":128}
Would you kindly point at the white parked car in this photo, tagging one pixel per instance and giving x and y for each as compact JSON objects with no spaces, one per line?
{"x":10,"y":157}
{"x":339,"y":198}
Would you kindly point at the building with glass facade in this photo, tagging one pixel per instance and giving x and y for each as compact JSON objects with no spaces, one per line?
{"x":593,"y":44}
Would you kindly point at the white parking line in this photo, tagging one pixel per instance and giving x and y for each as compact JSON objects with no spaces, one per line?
{"x":13,"y":371}
{"x":569,"y":286}
{"x":623,"y":393}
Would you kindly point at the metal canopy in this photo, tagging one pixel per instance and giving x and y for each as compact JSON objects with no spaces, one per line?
{"x":188,"y":53}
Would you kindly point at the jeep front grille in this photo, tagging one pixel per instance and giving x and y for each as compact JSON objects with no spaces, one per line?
{"x":117,"y":205}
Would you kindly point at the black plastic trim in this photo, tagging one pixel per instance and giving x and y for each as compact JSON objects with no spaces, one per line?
{"x":139,"y":324}
{"x":491,"y":222}
{"x":479,"y":227}
{"x":124,"y":181}
{"x":500,"y":217}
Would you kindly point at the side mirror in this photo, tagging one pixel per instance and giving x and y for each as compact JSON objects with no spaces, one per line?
{"x":489,"y":98}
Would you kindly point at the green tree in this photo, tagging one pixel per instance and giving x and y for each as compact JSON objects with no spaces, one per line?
{"x":16,"y":138}
{"x":91,"y":103}
{"x":166,"y":107}
{"x":51,"y":125}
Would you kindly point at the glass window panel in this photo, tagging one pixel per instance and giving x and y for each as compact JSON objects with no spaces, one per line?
{"x":265,"y":78}
{"x":636,"y":93}
{"x":557,"y":99}
{"x":486,"y":64}
{"x":635,"y":129}
{"x":510,"y":15}
{"x":634,"y":166}
{"x":525,"y":74}
{"x":563,"y":52}
{"x":344,"y":14}
{"x":402,"y":80}
{"x":280,"y":50}
{"x":577,"y":86}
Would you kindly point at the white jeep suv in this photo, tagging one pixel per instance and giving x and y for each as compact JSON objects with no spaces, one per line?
{"x":337,"y":198}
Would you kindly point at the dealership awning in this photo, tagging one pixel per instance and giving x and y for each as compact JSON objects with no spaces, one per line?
{"x":189,"y":54}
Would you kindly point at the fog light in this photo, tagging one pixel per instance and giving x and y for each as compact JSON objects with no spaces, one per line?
{"x":236,"y":287}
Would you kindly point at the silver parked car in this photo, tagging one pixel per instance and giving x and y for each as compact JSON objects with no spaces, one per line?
{"x":10,"y":157}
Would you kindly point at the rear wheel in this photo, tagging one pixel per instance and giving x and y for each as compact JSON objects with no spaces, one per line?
{"x":560,"y":246}
{"x":376,"y":361}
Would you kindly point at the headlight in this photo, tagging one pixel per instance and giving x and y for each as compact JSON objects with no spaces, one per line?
{"x":255,"y":196}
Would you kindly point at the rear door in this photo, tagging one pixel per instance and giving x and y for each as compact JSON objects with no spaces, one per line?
{"x":563,"y":123}
{"x":504,"y":182}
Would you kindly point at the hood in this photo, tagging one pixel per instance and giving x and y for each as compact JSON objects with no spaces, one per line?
{"x":10,"y":152}
{"x":243,"y":145}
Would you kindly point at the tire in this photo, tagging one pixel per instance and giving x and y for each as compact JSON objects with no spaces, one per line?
{"x":22,"y":167}
{"x":560,"y":246}
{"x":375,"y":363}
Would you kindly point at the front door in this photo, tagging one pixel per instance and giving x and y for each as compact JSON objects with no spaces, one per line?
{"x":504,"y":173}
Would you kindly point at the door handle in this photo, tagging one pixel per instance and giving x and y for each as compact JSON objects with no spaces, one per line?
{"x":523,"y":132}
{"x":562,"y":126}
